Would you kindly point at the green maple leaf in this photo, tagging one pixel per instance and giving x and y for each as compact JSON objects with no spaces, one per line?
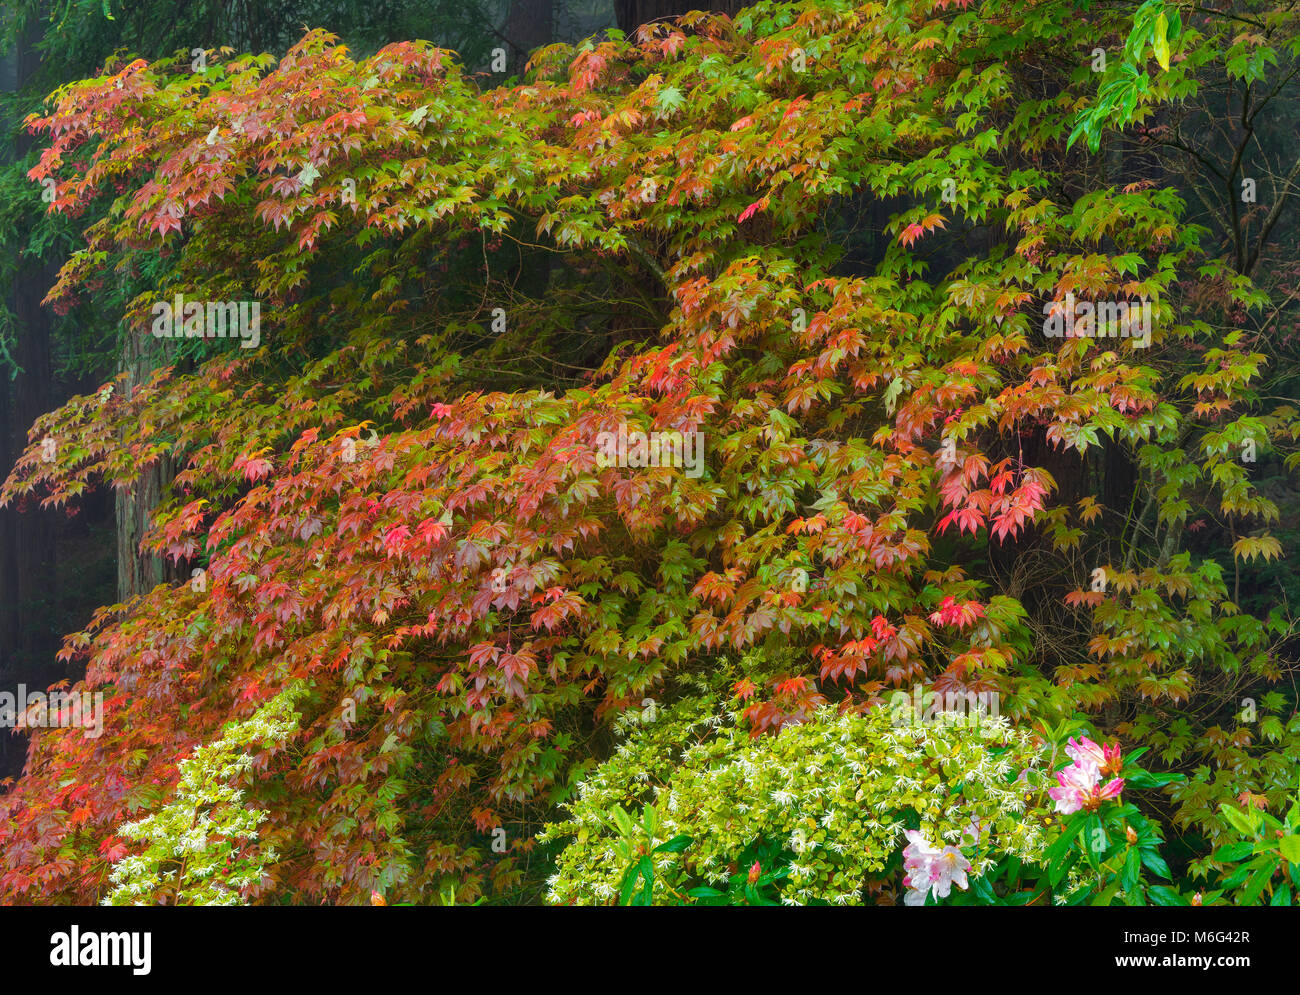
{"x":670,"y":99}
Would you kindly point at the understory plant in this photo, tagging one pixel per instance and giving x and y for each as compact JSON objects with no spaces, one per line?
{"x":825,"y":800}
{"x":202,"y":847}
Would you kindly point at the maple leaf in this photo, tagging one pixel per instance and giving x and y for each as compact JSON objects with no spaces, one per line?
{"x":961,"y":615}
{"x":113,"y":849}
{"x":254,"y":467}
{"x":752,"y":209}
{"x":916,"y":229}
{"x":395,"y":539}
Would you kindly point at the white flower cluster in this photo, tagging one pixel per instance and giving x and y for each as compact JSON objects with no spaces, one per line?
{"x":201,"y":846}
{"x":833,"y":791}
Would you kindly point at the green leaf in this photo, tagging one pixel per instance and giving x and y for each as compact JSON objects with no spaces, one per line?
{"x":1155,"y":863}
{"x":1095,"y":841}
{"x":675,"y":845}
{"x":648,"y":872}
{"x":1150,"y":779}
{"x":705,"y":892}
{"x":670,"y":99}
{"x":1132,"y":872}
{"x":1235,"y":879}
{"x":622,"y":820}
{"x":1160,"y":42}
{"x":1057,"y":852}
{"x":629,"y":885}
{"x":1105,"y":896}
{"x":1234,"y":851}
{"x":1256,"y":884}
{"x":1290,"y":847}
{"x":1162,"y":894}
{"x":1243,"y":823}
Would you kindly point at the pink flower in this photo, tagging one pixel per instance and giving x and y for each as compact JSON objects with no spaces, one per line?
{"x":1111,"y":790}
{"x":1085,"y":753}
{"x":1078,"y":785}
{"x":1075,"y":785}
{"x":931,"y":870}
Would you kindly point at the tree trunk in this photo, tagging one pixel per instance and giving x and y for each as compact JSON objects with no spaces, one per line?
{"x":530,"y":24}
{"x":26,"y":547}
{"x":139,"y":573}
{"x":28,"y":584}
{"x":631,"y":14}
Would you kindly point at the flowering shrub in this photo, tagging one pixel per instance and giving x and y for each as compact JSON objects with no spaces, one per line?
{"x":821,"y":832}
{"x":201,"y":847}
{"x":1101,"y":854}
{"x":836,"y":793}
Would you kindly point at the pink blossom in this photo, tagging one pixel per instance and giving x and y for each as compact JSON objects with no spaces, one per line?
{"x":930,"y":869}
{"x":1078,"y":785}
{"x":1111,"y":790}
{"x":1075,"y":785}
{"x":1085,"y":752}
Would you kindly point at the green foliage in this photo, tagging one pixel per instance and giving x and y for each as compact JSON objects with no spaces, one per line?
{"x":1263,"y":866}
{"x":834,"y":793}
{"x":901,"y":481}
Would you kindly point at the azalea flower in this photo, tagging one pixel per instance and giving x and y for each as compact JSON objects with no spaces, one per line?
{"x":1074,"y":784}
{"x":931,"y":870}
{"x":1084,"y":752}
{"x":1079,"y":785}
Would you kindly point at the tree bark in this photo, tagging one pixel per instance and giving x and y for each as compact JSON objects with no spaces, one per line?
{"x":139,"y":573}
{"x":26,"y":546}
{"x":28,"y":582}
{"x":530,"y":24}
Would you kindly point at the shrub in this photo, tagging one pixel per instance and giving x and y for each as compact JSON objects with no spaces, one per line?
{"x":835,"y":792}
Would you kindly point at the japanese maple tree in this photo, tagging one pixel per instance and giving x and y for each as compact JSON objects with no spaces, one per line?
{"x":397,"y":505}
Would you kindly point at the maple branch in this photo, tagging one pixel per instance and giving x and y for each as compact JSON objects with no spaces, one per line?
{"x":648,"y":260}
{"x":1273,"y":216}
{"x":1237,"y":236}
